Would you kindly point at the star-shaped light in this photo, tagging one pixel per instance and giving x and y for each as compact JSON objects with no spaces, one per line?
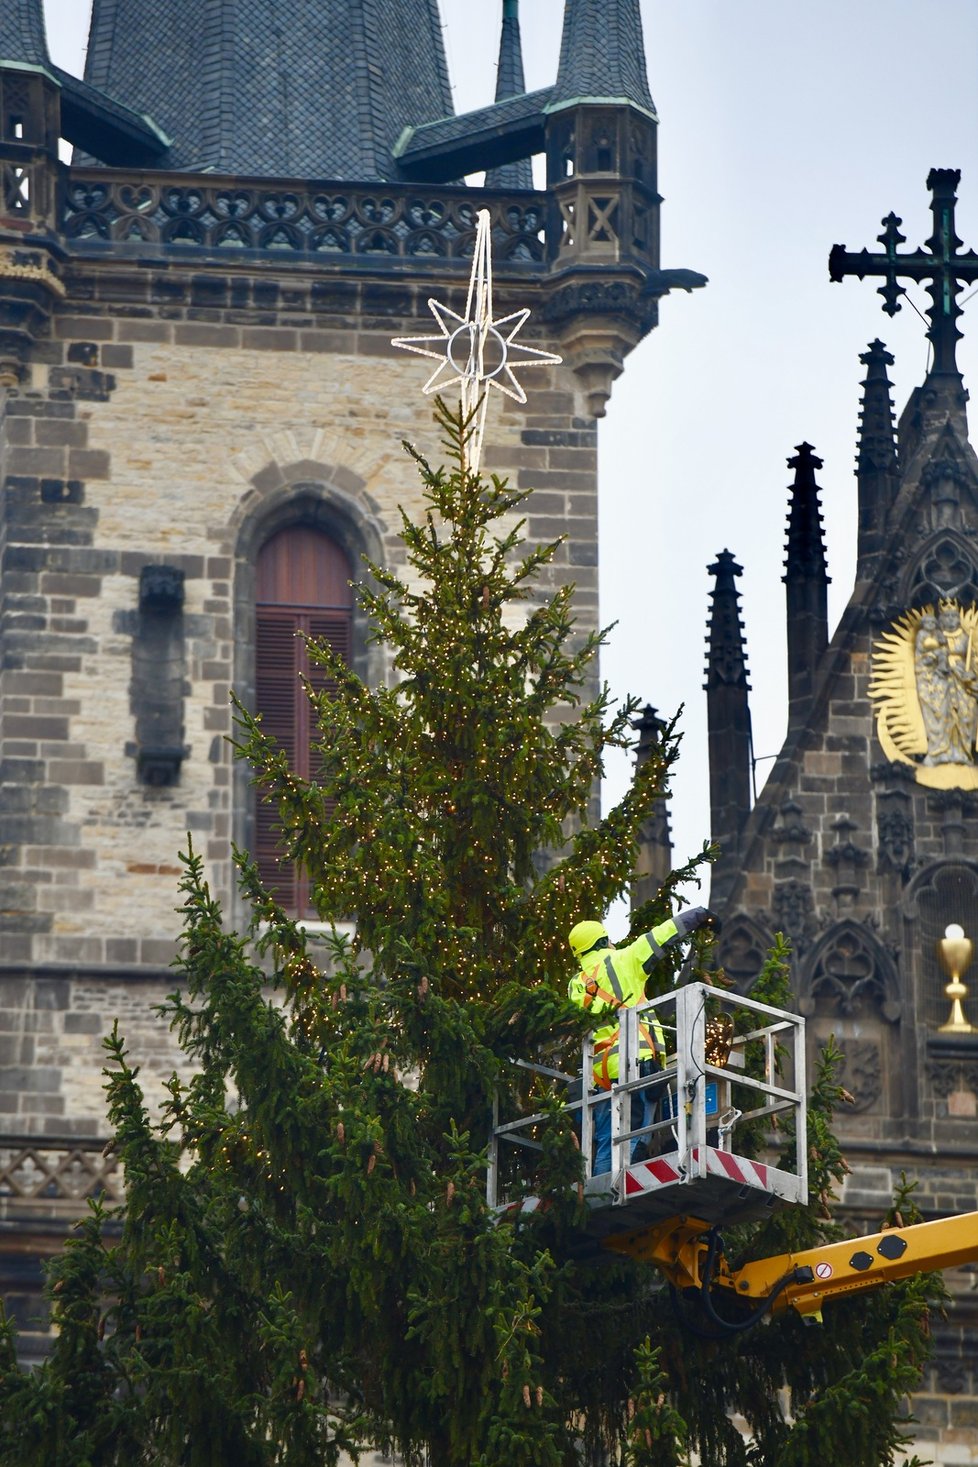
{"x":474,"y":351}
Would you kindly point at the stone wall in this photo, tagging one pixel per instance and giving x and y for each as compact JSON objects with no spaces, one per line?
{"x":167,"y":420}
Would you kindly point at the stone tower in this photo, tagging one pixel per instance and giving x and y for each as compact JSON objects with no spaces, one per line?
{"x":863,"y":845}
{"x":200,"y":419}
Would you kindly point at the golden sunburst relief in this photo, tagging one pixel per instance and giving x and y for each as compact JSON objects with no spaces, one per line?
{"x":925,"y":688}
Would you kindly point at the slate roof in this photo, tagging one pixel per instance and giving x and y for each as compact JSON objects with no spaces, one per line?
{"x":602,"y":55}
{"x":510,"y":83}
{"x":314,"y":89}
{"x":22,"y":33}
{"x":457,"y":145}
{"x":88,"y":117}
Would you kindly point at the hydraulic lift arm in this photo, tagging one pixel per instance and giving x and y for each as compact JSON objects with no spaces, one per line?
{"x":690,"y":1254}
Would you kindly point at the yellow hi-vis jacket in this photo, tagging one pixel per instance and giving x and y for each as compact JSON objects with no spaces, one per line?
{"x":614,"y":978}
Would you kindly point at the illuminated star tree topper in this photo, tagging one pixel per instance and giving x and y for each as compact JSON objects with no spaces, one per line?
{"x":475,"y":351}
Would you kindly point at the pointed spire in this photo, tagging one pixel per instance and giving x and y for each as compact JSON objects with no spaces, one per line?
{"x":510,"y":83}
{"x":325,"y":93}
{"x":728,"y":712}
{"x":22,"y":35}
{"x":876,"y":455}
{"x":602,"y":56}
{"x":654,"y":860}
{"x":806,"y":582}
{"x":727,"y":661}
{"x":806,"y":545}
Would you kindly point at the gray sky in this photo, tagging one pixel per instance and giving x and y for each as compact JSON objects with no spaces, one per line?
{"x":784,"y":128}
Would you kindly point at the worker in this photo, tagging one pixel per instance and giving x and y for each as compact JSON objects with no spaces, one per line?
{"x":609,"y":979}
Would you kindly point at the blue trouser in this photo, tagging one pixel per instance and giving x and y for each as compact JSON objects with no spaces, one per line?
{"x":645,"y":1109}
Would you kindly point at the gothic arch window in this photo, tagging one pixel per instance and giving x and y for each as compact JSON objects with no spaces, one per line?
{"x":743,"y":950}
{"x":942,"y":894}
{"x":944,"y":567}
{"x":850,"y":974}
{"x":302,"y":589}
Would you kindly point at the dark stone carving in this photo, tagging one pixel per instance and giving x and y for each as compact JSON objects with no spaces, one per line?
{"x":158,"y":675}
{"x":895,"y":831}
{"x":794,"y":912}
{"x":605,"y":298}
{"x":959,"y":802}
{"x":160,"y":588}
{"x":852,"y":972}
{"x":944,"y":569}
{"x":845,"y":853}
{"x":893,"y":772}
{"x":847,"y":859}
{"x":789,"y":827}
{"x":160,"y":766}
{"x":861,"y":1072}
{"x":944,"y":1077}
{"x":952,"y":1375}
{"x":743,"y":949}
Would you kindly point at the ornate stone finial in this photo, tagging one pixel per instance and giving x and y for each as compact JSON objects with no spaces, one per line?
{"x":806,"y":584}
{"x":727,"y":660}
{"x":876,"y":457}
{"x":941,"y":264}
{"x":847,"y":859}
{"x":877,"y":438}
{"x":728,"y":722}
{"x":806,"y":542}
{"x":954,"y":952}
{"x":654,"y":856}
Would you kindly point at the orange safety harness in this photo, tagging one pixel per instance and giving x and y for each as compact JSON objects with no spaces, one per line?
{"x":606,"y":1048}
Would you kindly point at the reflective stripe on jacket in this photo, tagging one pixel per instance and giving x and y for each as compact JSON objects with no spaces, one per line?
{"x":612,"y":979}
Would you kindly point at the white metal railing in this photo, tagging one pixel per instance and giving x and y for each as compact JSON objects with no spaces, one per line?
{"x":700,"y":1104}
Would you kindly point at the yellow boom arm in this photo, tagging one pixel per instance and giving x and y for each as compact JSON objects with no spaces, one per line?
{"x":806,"y":1279}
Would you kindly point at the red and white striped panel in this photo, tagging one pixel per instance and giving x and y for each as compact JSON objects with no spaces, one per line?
{"x":648,"y":1176}
{"x":511,"y":1210}
{"x":734,"y":1168}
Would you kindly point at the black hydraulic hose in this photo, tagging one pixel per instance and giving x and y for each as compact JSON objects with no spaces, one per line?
{"x":735,"y":1326}
{"x":687,"y":1320}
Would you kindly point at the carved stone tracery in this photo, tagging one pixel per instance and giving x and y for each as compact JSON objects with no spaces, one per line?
{"x":743,"y":949}
{"x":861,"y":1072}
{"x":851,"y":971}
{"x":794,"y":912}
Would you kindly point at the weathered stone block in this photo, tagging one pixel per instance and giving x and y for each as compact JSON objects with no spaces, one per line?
{"x":52,"y":993}
{"x":84,"y":1024}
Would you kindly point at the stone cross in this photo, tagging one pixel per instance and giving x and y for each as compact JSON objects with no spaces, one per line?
{"x":940,"y":263}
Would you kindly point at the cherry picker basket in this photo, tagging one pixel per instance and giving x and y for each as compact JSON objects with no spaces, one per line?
{"x":734,"y":1072}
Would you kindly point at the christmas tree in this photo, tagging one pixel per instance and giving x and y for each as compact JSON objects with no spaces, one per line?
{"x":306,"y":1263}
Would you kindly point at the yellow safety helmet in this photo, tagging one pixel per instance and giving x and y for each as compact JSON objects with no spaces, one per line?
{"x":585,"y":936}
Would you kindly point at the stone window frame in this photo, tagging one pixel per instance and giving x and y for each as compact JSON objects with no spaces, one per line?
{"x":321,"y":497}
{"x":881,"y":988}
{"x":924,"y":969}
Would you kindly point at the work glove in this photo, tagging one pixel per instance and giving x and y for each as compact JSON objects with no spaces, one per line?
{"x":694,"y":917}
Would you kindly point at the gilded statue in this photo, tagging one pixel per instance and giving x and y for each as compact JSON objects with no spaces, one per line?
{"x":925,"y":687}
